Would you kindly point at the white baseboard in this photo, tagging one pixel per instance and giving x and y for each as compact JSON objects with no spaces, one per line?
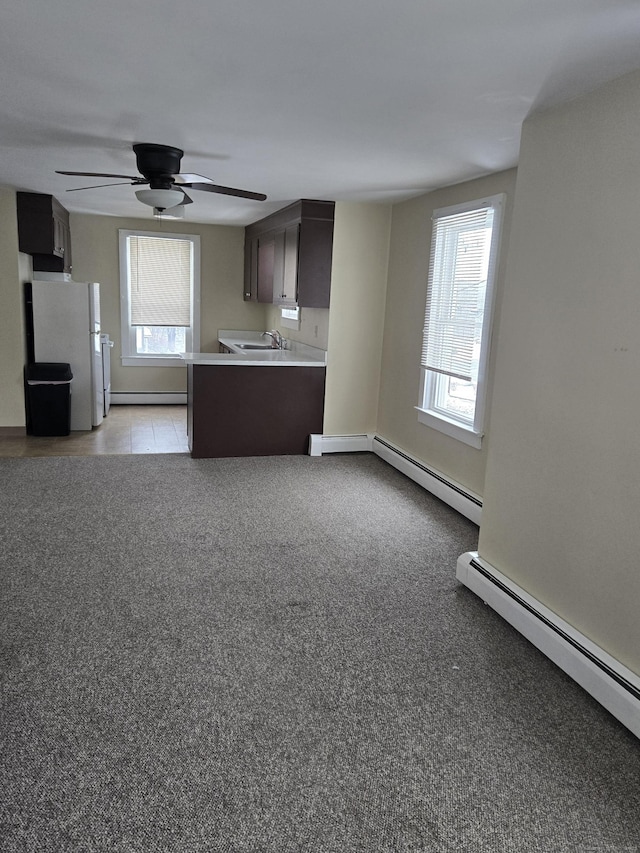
{"x":130,"y":398}
{"x":606,"y":679}
{"x":456,"y":496}
{"x":319,"y":444}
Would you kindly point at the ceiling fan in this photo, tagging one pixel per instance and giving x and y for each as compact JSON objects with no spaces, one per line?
{"x":159,"y":167}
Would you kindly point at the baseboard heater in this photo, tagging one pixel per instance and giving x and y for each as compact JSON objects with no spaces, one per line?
{"x":320,"y":444}
{"x":149,"y":398}
{"x":602,"y":676}
{"x":453,"y":494}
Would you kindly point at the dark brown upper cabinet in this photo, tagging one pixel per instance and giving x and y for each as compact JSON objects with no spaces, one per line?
{"x":43,"y":231}
{"x":288,"y":256}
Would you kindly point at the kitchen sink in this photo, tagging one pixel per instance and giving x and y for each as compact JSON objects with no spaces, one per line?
{"x":254,"y":346}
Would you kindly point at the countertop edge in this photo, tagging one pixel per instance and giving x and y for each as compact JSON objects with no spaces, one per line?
{"x":299,"y":355}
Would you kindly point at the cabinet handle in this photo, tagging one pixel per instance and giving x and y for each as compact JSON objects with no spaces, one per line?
{"x":247,"y":294}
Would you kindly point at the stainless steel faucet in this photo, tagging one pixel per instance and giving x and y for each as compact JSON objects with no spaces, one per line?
{"x":277,"y":341}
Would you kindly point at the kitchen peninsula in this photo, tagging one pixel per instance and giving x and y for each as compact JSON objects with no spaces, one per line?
{"x":251,"y":399}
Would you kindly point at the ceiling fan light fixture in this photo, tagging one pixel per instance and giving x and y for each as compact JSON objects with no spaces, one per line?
{"x":162,"y":199}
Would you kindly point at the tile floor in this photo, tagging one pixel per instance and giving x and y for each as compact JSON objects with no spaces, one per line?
{"x":127,"y":429}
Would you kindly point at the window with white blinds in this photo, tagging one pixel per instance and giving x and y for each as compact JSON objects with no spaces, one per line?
{"x":455,"y":340}
{"x":160,"y":272}
{"x":160,"y":297}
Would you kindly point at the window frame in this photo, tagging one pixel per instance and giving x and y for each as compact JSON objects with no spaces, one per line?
{"x":130,"y":357}
{"x":429,"y":413}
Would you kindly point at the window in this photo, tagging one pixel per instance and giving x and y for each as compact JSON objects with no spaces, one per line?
{"x":160,"y":297}
{"x":457,"y":326}
{"x":290,"y":318}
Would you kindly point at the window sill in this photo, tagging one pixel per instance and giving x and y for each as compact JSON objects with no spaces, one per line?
{"x":152,"y":361}
{"x":450,"y":428}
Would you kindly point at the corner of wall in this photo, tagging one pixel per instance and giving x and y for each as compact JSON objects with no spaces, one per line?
{"x":11,"y":317}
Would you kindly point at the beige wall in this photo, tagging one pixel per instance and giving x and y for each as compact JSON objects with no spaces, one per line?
{"x":563,"y":475}
{"x":95,"y":258}
{"x":356,"y":317}
{"x":12,"y":353}
{"x":404,"y":320}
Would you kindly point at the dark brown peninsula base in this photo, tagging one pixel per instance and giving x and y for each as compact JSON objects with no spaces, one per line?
{"x":253,"y":411}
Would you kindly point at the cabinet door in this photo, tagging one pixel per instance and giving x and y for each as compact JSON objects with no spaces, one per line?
{"x":62,"y":242}
{"x":58,"y":237}
{"x":251,"y":269}
{"x":290,"y":277}
{"x":285,"y":276}
{"x":278,"y":268}
{"x":67,"y":247}
{"x":266,"y":259}
{"x":314,"y":263}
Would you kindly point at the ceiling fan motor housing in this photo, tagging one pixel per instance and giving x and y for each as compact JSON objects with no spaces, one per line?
{"x":158,"y":164}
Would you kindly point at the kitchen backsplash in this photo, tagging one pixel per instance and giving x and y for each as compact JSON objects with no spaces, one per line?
{"x":314,"y":326}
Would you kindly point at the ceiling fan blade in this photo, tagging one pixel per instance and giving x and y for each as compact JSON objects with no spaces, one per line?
{"x":98,"y":186}
{"x":100,"y":175}
{"x":185,"y":198}
{"x":216,"y":188}
{"x":191,"y":178}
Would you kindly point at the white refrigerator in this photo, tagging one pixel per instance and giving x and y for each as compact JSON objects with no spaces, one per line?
{"x":66,"y":328}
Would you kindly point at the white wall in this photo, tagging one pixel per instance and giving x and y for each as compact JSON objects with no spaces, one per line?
{"x":563,"y":473}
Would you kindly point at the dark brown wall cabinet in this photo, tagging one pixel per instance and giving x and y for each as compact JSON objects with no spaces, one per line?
{"x":43,"y":231}
{"x":288,"y":256}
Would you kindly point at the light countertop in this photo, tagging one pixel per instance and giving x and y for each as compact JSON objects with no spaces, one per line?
{"x":296,"y":355}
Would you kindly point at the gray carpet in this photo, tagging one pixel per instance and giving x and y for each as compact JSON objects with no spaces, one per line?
{"x":274,"y":655}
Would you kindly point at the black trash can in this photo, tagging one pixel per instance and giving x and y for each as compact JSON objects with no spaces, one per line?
{"x":48,"y":398}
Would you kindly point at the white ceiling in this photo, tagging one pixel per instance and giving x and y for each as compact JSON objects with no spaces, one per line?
{"x":332,"y":99}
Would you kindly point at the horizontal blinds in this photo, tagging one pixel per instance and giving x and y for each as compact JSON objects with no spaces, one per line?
{"x":160,"y":281}
{"x":458,"y":269}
